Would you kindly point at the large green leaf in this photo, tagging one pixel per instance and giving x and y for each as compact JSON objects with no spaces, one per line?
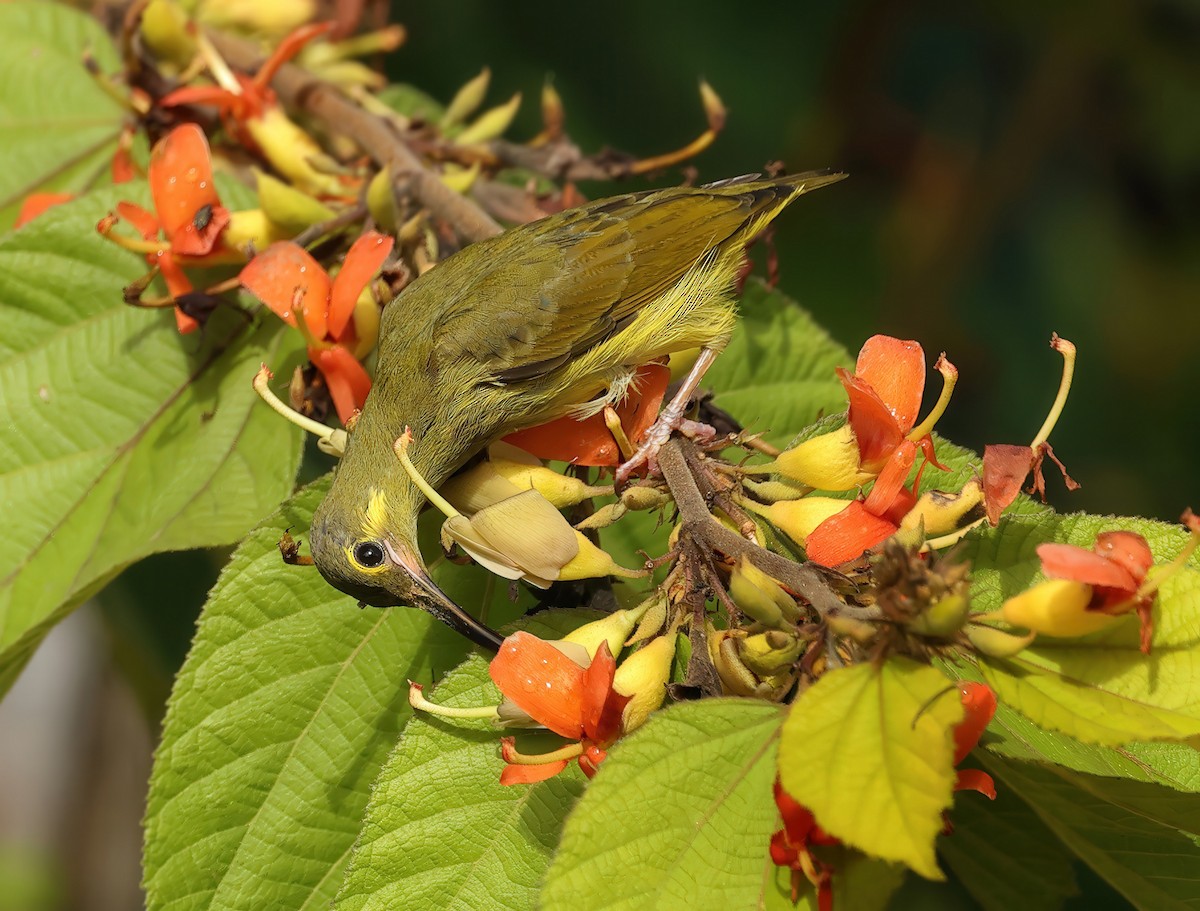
{"x":59,"y":127}
{"x":281,"y":718}
{"x":679,"y":816}
{"x":440,"y":830}
{"x":1098,"y":688}
{"x":869,"y":750}
{"x":1005,"y":856}
{"x":120,"y":438}
{"x":1142,"y":838}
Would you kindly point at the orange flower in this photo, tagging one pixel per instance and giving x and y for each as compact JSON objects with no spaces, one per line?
{"x":575,"y":702}
{"x":790,"y":846}
{"x":289,"y":281}
{"x":589,"y":441}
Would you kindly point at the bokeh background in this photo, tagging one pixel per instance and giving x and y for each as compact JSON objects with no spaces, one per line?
{"x":1016,"y":168}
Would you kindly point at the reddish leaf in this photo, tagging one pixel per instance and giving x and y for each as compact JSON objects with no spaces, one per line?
{"x":895,"y":369}
{"x":542,"y":681}
{"x":361,"y":263}
{"x":185,"y":196}
{"x":1005,"y":468}
{"x":847,"y":535}
{"x":346,"y":378}
{"x":286,"y":278}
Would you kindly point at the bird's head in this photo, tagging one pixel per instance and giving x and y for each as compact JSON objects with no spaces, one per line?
{"x":367,"y":548}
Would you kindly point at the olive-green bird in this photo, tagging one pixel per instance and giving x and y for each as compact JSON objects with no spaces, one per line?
{"x":546,"y":319}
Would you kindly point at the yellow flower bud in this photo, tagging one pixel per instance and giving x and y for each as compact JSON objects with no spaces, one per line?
{"x":760,"y":596}
{"x":467,"y":99}
{"x":640,"y":498}
{"x":490,"y":124}
{"x":525,"y":472}
{"x":612,"y":629}
{"x":381,"y":202}
{"x":268,"y":18}
{"x":943,"y":619}
{"x":459,"y":179}
{"x":292,"y":152}
{"x":1057,"y":607}
{"x":366,"y":318}
{"x":522,"y":537}
{"x":940,"y":513}
{"x":652,"y":620}
{"x":736,"y":678}
{"x":644,"y":676}
{"x":798,"y":518}
{"x":249,"y":229}
{"x":164,"y":29}
{"x":592,"y":563}
{"x":829,"y":461}
{"x":287,"y":207}
{"x":997,"y":643}
{"x":771,"y":652}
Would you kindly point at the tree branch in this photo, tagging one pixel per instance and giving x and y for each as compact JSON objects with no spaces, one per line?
{"x":317,"y":98}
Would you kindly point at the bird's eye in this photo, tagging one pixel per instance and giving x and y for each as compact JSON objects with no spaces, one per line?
{"x":368,"y":554}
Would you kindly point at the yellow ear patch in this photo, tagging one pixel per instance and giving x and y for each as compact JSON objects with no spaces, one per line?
{"x":375,"y":523}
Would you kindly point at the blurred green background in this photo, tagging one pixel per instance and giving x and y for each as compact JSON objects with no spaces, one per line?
{"x":1015,"y":169}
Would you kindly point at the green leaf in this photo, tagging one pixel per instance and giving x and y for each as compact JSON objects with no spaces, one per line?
{"x":680,"y":814}
{"x":1141,"y":838}
{"x":1005,"y":856}
{"x":1013,"y":736}
{"x":870,"y":752}
{"x":280,"y":720}
{"x":59,"y":127}
{"x":120,"y":438}
{"x":777,"y":373}
{"x":440,"y":830}
{"x":1098,"y":688}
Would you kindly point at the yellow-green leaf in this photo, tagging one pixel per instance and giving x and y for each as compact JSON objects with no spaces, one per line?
{"x":870,"y":752}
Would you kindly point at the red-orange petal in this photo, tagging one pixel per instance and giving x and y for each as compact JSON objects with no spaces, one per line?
{"x":288,"y":48}
{"x":976,"y":780}
{"x":979,"y":705}
{"x":890,"y":484}
{"x":589,"y":442}
{"x":597,"y":687}
{"x":185,"y":196}
{"x":590,"y":760}
{"x":798,"y":820}
{"x":875,"y":427}
{"x":1005,"y":468}
{"x":1066,"y":561}
{"x":122,"y":167}
{"x":362,"y":262}
{"x":530,"y":774}
{"x":542,"y":681}
{"x":847,"y":535}
{"x":1127,"y":549}
{"x":346,"y":378}
{"x":895,"y":369}
{"x":201,"y":94}
{"x":37,"y":203}
{"x":286,"y":278}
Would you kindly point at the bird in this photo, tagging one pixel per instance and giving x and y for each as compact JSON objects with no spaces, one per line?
{"x":549,"y":318}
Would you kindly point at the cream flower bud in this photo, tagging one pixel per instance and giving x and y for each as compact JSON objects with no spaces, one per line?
{"x":613,"y":629}
{"x":761,"y":597}
{"x":1057,"y":607}
{"x":798,"y":518}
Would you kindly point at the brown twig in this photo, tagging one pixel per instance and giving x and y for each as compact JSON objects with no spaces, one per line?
{"x":317,"y":98}
{"x":806,"y":581}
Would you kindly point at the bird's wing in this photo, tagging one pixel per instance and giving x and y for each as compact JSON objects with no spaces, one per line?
{"x":552,"y":290}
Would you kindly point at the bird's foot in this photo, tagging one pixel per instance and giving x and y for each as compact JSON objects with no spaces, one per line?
{"x":670,"y":420}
